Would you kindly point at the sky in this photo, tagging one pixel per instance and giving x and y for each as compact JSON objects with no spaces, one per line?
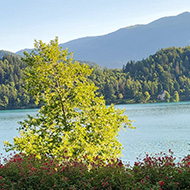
{"x":23,"y":21}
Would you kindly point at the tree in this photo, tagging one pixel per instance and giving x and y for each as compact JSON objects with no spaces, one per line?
{"x":147,"y":96}
{"x":73,"y":118}
{"x":120,"y":96}
{"x":167,"y":96}
{"x":176,"y":97}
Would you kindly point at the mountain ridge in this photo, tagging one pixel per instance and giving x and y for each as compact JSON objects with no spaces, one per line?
{"x":5,"y":52}
{"x":136,"y":42}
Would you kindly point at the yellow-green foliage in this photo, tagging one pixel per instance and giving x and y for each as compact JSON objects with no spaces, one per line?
{"x":176,"y":97}
{"x":73,"y":118}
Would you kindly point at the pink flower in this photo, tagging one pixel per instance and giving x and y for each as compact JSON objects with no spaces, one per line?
{"x":120,"y":164}
{"x":161,"y":183}
{"x":44,"y":168}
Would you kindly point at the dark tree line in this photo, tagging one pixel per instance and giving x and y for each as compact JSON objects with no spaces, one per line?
{"x":167,"y":71}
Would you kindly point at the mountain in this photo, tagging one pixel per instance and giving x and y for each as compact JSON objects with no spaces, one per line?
{"x":20,"y":52}
{"x":133,"y":43}
{"x":3,"y":52}
{"x":137,"y":42}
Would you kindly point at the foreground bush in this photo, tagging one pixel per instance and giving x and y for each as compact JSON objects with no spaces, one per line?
{"x":157,"y":172}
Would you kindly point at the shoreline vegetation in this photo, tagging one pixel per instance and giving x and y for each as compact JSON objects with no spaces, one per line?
{"x":162,"y":77}
{"x":115,"y":104}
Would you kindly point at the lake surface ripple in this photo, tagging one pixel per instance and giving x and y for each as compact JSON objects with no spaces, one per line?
{"x":159,"y":127}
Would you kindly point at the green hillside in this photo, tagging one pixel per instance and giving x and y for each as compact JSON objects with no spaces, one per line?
{"x":164,"y":76}
{"x":12,"y":94}
{"x":166,"y":71}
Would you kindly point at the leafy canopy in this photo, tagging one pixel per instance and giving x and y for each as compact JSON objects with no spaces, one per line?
{"x":73,"y":118}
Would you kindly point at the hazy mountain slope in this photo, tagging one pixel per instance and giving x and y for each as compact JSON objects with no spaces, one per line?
{"x":3,"y":52}
{"x":132,"y":43}
{"x":22,"y":51}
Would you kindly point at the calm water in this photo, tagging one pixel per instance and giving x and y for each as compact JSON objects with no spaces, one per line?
{"x":159,"y":127}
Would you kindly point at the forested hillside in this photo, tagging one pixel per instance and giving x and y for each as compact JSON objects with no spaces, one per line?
{"x":167,"y":71}
{"x":12,"y":94}
{"x":164,"y":76}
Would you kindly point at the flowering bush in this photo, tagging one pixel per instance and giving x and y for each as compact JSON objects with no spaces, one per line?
{"x":158,"y":172}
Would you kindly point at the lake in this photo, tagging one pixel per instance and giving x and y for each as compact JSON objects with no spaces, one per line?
{"x":159,"y":127}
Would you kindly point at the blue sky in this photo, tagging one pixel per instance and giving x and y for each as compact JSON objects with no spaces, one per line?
{"x":22,"y":21}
